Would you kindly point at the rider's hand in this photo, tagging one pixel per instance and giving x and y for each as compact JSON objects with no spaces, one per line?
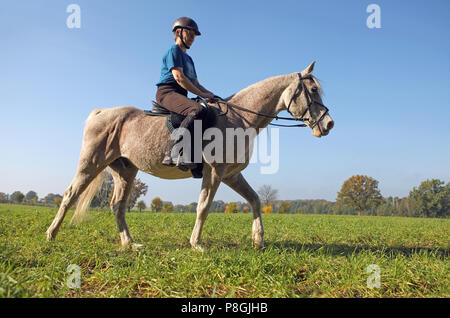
{"x":208,"y":96}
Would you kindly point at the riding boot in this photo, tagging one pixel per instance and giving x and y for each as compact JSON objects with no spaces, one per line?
{"x":179,"y":160}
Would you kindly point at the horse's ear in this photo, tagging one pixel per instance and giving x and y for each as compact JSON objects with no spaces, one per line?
{"x":310,"y":68}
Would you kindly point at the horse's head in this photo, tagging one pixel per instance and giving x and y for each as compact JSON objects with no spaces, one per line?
{"x":302,"y":99}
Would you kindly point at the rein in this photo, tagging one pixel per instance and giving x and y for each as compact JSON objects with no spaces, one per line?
{"x":228,"y":104}
{"x":301,"y":87}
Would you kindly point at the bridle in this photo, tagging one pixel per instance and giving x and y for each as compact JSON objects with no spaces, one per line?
{"x":299,"y":89}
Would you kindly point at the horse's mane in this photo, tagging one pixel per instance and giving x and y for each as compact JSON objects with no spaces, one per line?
{"x":265,"y":82}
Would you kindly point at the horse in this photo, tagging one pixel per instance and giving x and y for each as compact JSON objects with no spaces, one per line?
{"x":125,"y":140}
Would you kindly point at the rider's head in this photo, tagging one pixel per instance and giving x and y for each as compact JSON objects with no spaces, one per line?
{"x":185,"y":29}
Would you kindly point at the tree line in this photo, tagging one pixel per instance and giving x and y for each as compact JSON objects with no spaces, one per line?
{"x":101,"y":200}
{"x":30,"y":197}
{"x":359,"y":195}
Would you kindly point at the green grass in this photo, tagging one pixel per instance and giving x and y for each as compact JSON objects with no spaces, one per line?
{"x":304,"y":256}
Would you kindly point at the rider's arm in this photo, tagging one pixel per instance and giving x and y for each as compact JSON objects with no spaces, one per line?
{"x":201,"y":87}
{"x":184,"y":82}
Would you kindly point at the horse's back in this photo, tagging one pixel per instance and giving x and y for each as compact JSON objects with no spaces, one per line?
{"x":112,"y":113}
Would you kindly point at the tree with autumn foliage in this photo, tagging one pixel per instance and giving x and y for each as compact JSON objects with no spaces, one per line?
{"x":167,"y":207}
{"x":285,"y":207}
{"x":57,"y":201}
{"x":231,"y":208}
{"x":267,"y":209}
{"x":141,"y":205}
{"x":359,"y":193}
{"x":157,"y":204}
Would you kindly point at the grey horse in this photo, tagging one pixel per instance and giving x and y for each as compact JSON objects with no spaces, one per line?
{"x":125,"y":140}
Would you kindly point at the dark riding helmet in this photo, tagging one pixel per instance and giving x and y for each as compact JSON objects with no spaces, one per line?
{"x":185,"y":23}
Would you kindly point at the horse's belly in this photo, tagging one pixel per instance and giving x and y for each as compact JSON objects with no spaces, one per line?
{"x":164,"y":172}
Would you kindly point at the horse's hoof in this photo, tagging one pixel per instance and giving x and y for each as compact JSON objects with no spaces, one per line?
{"x":199,"y":248}
{"x":136,"y":246}
{"x":258,"y":244}
{"x":50,"y":237}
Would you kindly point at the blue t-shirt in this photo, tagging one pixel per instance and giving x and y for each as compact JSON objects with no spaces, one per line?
{"x":175,"y":57}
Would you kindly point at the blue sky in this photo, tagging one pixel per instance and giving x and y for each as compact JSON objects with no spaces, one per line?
{"x":387,"y":89}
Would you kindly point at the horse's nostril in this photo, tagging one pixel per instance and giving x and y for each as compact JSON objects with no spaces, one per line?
{"x":330,"y":125}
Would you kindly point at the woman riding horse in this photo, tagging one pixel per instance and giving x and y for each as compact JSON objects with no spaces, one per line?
{"x":178,"y":76}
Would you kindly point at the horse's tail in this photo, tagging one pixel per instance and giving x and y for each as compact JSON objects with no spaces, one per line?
{"x":86,"y":198}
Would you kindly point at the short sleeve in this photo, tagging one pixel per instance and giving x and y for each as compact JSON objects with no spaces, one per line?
{"x":174,"y":58}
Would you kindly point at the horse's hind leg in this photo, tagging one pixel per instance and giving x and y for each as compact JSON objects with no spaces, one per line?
{"x":123,"y":173}
{"x":82,"y":179}
{"x":240,"y":185}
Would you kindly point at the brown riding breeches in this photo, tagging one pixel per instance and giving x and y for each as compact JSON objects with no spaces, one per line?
{"x":174,"y":98}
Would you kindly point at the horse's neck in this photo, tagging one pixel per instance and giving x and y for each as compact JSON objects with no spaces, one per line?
{"x":262,"y":97}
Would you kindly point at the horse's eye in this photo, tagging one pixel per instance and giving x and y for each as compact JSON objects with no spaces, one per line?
{"x":314,"y":89}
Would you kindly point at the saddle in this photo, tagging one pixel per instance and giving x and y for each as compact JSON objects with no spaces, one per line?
{"x":157,"y":110}
{"x":208,"y":115}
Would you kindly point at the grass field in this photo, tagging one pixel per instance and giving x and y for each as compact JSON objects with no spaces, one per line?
{"x":304,"y":256}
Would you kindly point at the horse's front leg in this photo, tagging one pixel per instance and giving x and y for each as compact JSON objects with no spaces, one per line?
{"x":211,"y":181}
{"x":240,"y":185}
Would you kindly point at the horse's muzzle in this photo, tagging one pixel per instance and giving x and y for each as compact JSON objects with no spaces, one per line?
{"x":323,"y":127}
